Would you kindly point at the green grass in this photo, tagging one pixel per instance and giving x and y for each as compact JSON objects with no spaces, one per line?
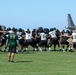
{"x":39,"y":63}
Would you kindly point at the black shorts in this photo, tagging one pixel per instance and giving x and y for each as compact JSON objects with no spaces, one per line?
{"x":74,"y":44}
{"x":21,"y":41}
{"x":25,"y":43}
{"x":29,"y":41}
{"x":12,"y":50}
{"x":43,"y":43}
{"x":3,"y":41}
{"x":0,"y":42}
{"x":64,"y":41}
{"x":54,"y":41}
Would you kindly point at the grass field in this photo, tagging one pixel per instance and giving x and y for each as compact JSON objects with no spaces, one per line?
{"x":39,"y":63}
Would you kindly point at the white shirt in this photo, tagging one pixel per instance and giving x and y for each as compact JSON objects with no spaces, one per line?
{"x":28,"y":36}
{"x":53,"y":34}
{"x":43,"y":36}
{"x":74,"y":37}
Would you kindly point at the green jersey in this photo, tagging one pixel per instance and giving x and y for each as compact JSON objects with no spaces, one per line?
{"x":12,"y":38}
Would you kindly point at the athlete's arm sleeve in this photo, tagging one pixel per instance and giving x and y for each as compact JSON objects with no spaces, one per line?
{"x":7,"y":42}
{"x":17,"y":42}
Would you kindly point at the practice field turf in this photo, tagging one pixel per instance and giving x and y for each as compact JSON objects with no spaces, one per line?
{"x":39,"y":63}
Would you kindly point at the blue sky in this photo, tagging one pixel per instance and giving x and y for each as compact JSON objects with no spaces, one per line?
{"x":36,"y":13}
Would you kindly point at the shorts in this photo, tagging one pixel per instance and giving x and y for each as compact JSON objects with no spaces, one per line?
{"x":63,"y":41}
{"x":74,"y":44}
{"x":43,"y":43}
{"x":12,"y":50}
